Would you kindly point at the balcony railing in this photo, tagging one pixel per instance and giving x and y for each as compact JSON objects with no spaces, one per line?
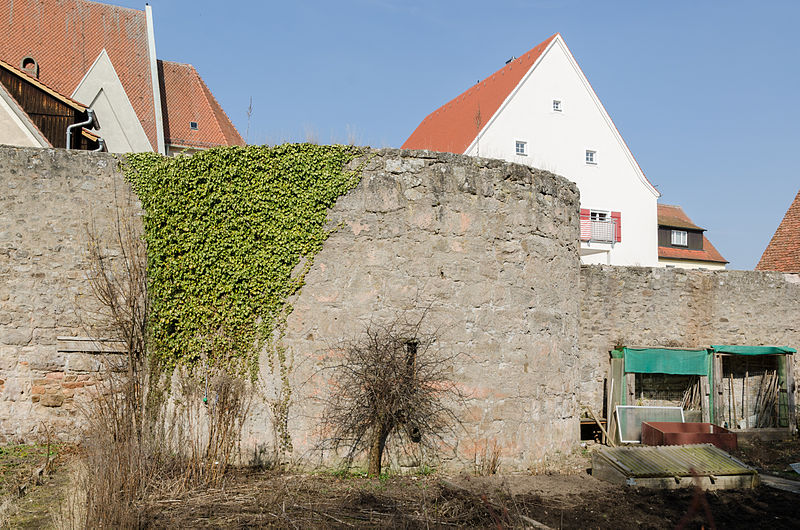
{"x":600,"y":231}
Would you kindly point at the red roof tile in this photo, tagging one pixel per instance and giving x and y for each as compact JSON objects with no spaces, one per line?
{"x":66,"y":36}
{"x":674,"y":216}
{"x":80,"y":107}
{"x":709,"y":253}
{"x":454,"y":126}
{"x":185,"y":98}
{"x":783,"y":252}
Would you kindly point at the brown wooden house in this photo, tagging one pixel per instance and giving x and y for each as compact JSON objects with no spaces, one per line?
{"x":49,"y":112}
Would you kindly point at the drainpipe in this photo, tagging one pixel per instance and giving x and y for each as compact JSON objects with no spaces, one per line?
{"x":90,"y":113}
{"x":101,"y":144}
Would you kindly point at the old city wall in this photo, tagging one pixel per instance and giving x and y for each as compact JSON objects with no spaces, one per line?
{"x":491,"y":249}
{"x":49,"y":200}
{"x":638,"y":306}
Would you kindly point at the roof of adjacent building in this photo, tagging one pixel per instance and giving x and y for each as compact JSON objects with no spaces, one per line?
{"x":672,"y":216}
{"x":65,"y":37}
{"x":185,"y":98}
{"x":783,"y":252}
{"x":25,"y":77}
{"x":452,"y":127}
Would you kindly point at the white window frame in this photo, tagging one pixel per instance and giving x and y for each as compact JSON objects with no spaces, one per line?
{"x":591,"y":157}
{"x":558,"y":105}
{"x":521,"y":148}
{"x":679,"y":238}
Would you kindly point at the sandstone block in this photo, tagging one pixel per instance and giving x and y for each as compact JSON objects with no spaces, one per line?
{"x":52,"y":400}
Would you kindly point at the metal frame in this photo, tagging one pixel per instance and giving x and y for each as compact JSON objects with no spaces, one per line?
{"x":619,"y":423}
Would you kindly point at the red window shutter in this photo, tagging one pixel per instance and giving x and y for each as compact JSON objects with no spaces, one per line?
{"x":586,"y":225}
{"x":617,"y":218}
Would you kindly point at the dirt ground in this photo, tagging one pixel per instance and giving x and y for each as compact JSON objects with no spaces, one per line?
{"x":570,"y":498}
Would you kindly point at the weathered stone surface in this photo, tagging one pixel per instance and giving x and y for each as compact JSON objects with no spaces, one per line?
{"x":491,"y":248}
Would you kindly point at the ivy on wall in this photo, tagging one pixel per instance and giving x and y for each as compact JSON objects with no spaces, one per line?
{"x":230,"y":234}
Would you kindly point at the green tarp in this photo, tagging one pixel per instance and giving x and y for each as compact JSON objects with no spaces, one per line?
{"x":665,"y":361}
{"x":753,"y":350}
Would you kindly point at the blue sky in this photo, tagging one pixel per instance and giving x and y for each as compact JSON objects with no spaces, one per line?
{"x":706,"y":93}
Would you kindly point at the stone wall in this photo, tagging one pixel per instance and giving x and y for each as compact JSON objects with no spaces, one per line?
{"x":638,"y":306}
{"x":491,"y":248}
{"x":48,"y":200}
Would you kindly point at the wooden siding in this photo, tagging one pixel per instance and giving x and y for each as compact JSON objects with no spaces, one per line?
{"x":50,"y":115}
{"x":694,"y":238}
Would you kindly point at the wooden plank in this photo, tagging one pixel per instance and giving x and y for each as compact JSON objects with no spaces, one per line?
{"x":90,"y":345}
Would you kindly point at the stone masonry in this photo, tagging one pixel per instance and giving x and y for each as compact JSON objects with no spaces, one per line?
{"x":48,"y":200}
{"x":491,"y":248}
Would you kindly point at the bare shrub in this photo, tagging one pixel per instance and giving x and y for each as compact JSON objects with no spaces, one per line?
{"x":141,"y":442}
{"x":487,"y":459}
{"x":391,"y":383}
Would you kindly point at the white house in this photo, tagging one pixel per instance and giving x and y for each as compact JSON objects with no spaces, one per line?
{"x":540,"y":110}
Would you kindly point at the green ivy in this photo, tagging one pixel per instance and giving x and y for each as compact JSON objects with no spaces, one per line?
{"x":225,"y":230}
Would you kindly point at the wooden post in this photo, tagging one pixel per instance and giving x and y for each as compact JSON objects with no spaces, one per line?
{"x":716,"y":372}
{"x":705,"y":402}
{"x":630,"y":383}
{"x":790,"y":392}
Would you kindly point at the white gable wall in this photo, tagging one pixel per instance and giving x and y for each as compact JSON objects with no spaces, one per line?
{"x":102,"y":90}
{"x":557,"y":141}
{"x":16,"y":127}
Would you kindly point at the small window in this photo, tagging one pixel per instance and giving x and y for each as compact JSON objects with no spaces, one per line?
{"x":556,"y":105}
{"x":522,"y":148}
{"x":591,"y":157}
{"x":193,"y":125}
{"x":598,"y":216}
{"x":680,"y":238}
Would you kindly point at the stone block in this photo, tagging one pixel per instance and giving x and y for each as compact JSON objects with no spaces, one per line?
{"x":51,"y":400}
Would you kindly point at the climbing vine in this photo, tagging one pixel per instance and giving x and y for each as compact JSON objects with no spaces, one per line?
{"x":230,"y":233}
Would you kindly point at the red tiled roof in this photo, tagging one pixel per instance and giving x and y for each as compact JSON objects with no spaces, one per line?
{"x":675,"y":217}
{"x":783,"y":252}
{"x":66,"y":36}
{"x":80,"y":107}
{"x":454,"y":126}
{"x":185,"y":98}
{"x":709,"y":253}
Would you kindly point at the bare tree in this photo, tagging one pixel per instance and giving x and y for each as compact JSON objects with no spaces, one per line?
{"x":392,"y":383}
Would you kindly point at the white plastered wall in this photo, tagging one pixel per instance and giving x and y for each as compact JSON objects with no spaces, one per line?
{"x":102,"y":90}
{"x":691,"y":264}
{"x":557,"y":141}
{"x":15,"y":126}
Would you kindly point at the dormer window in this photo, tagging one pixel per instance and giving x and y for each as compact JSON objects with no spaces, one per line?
{"x":556,"y":105}
{"x":29,"y":66}
{"x":193,"y":125}
{"x":680,"y":238}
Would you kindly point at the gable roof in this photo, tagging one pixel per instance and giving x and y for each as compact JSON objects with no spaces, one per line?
{"x":783,"y":252}
{"x":673,"y":216}
{"x":185,"y":98}
{"x":65,"y":37}
{"x":452,"y":127}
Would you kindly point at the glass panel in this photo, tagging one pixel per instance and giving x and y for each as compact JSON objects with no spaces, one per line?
{"x":630,"y":418}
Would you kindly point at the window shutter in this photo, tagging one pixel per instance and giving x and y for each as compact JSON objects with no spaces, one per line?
{"x":586,"y":225}
{"x":617,"y":218}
